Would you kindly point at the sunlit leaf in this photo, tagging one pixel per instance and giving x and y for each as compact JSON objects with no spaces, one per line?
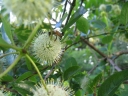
{"x":7,"y":28}
{"x":82,"y":24}
{"x":74,"y":17}
{"x":107,"y":39}
{"x":4,"y":43}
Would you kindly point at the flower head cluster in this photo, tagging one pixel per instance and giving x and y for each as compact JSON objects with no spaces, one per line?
{"x":27,"y":11}
{"x":102,"y":7}
{"x":116,"y":9}
{"x":54,"y":89}
{"x":47,"y":48}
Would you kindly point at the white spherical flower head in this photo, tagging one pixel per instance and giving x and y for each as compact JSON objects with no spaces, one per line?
{"x":116,"y":9}
{"x":1,"y":93}
{"x":27,"y":11}
{"x":47,"y":48}
{"x":53,"y":90}
{"x":102,"y":7}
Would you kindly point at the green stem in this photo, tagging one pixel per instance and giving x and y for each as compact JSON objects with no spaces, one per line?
{"x":15,"y":47}
{"x":31,"y":36}
{"x":11,"y":66}
{"x":36,"y":68}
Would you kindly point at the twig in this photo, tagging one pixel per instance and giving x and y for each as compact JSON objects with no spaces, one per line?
{"x":93,"y":69}
{"x":50,"y":72}
{"x":93,"y":47}
{"x":70,"y":11}
{"x":113,"y":64}
{"x":81,"y":2}
{"x":65,"y":7}
{"x":102,"y":54}
{"x":8,"y":54}
{"x":118,"y":54}
{"x":71,"y":45}
{"x":87,"y":38}
{"x":100,"y":35}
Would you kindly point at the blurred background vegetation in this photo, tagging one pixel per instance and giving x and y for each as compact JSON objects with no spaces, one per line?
{"x":94,"y":61}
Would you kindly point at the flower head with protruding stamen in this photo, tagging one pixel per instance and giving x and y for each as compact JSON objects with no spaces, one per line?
{"x":54,"y":89}
{"x":47,"y":48}
{"x":27,"y":11}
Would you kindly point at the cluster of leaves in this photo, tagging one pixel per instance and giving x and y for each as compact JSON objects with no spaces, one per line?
{"x":92,"y":45}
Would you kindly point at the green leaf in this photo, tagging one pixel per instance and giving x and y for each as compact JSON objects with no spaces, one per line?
{"x":70,"y":72}
{"x":22,"y":34}
{"x":74,"y":17}
{"x":80,"y":93}
{"x":24,"y":76}
{"x":7,"y":78}
{"x":124,"y":14}
{"x":77,"y":77}
{"x":68,"y":32}
{"x":99,"y":24}
{"x":7,"y":28}
{"x":4,"y":43}
{"x":21,"y":91}
{"x":23,"y":87}
{"x":82,"y":24}
{"x":110,"y":85}
{"x":107,"y":39}
{"x":33,"y":78}
{"x":97,"y":79}
{"x":68,"y":42}
{"x":28,"y":63}
{"x":68,"y":63}
{"x":90,"y":84}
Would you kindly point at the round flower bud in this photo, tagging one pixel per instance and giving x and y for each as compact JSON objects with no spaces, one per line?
{"x":103,"y":13}
{"x":27,"y":11}
{"x":47,"y":48}
{"x":116,"y":9}
{"x":54,"y":89}
{"x":102,"y":7}
{"x":91,"y":40}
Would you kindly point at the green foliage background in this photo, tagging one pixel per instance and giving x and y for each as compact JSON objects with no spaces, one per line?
{"x":94,"y":61}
